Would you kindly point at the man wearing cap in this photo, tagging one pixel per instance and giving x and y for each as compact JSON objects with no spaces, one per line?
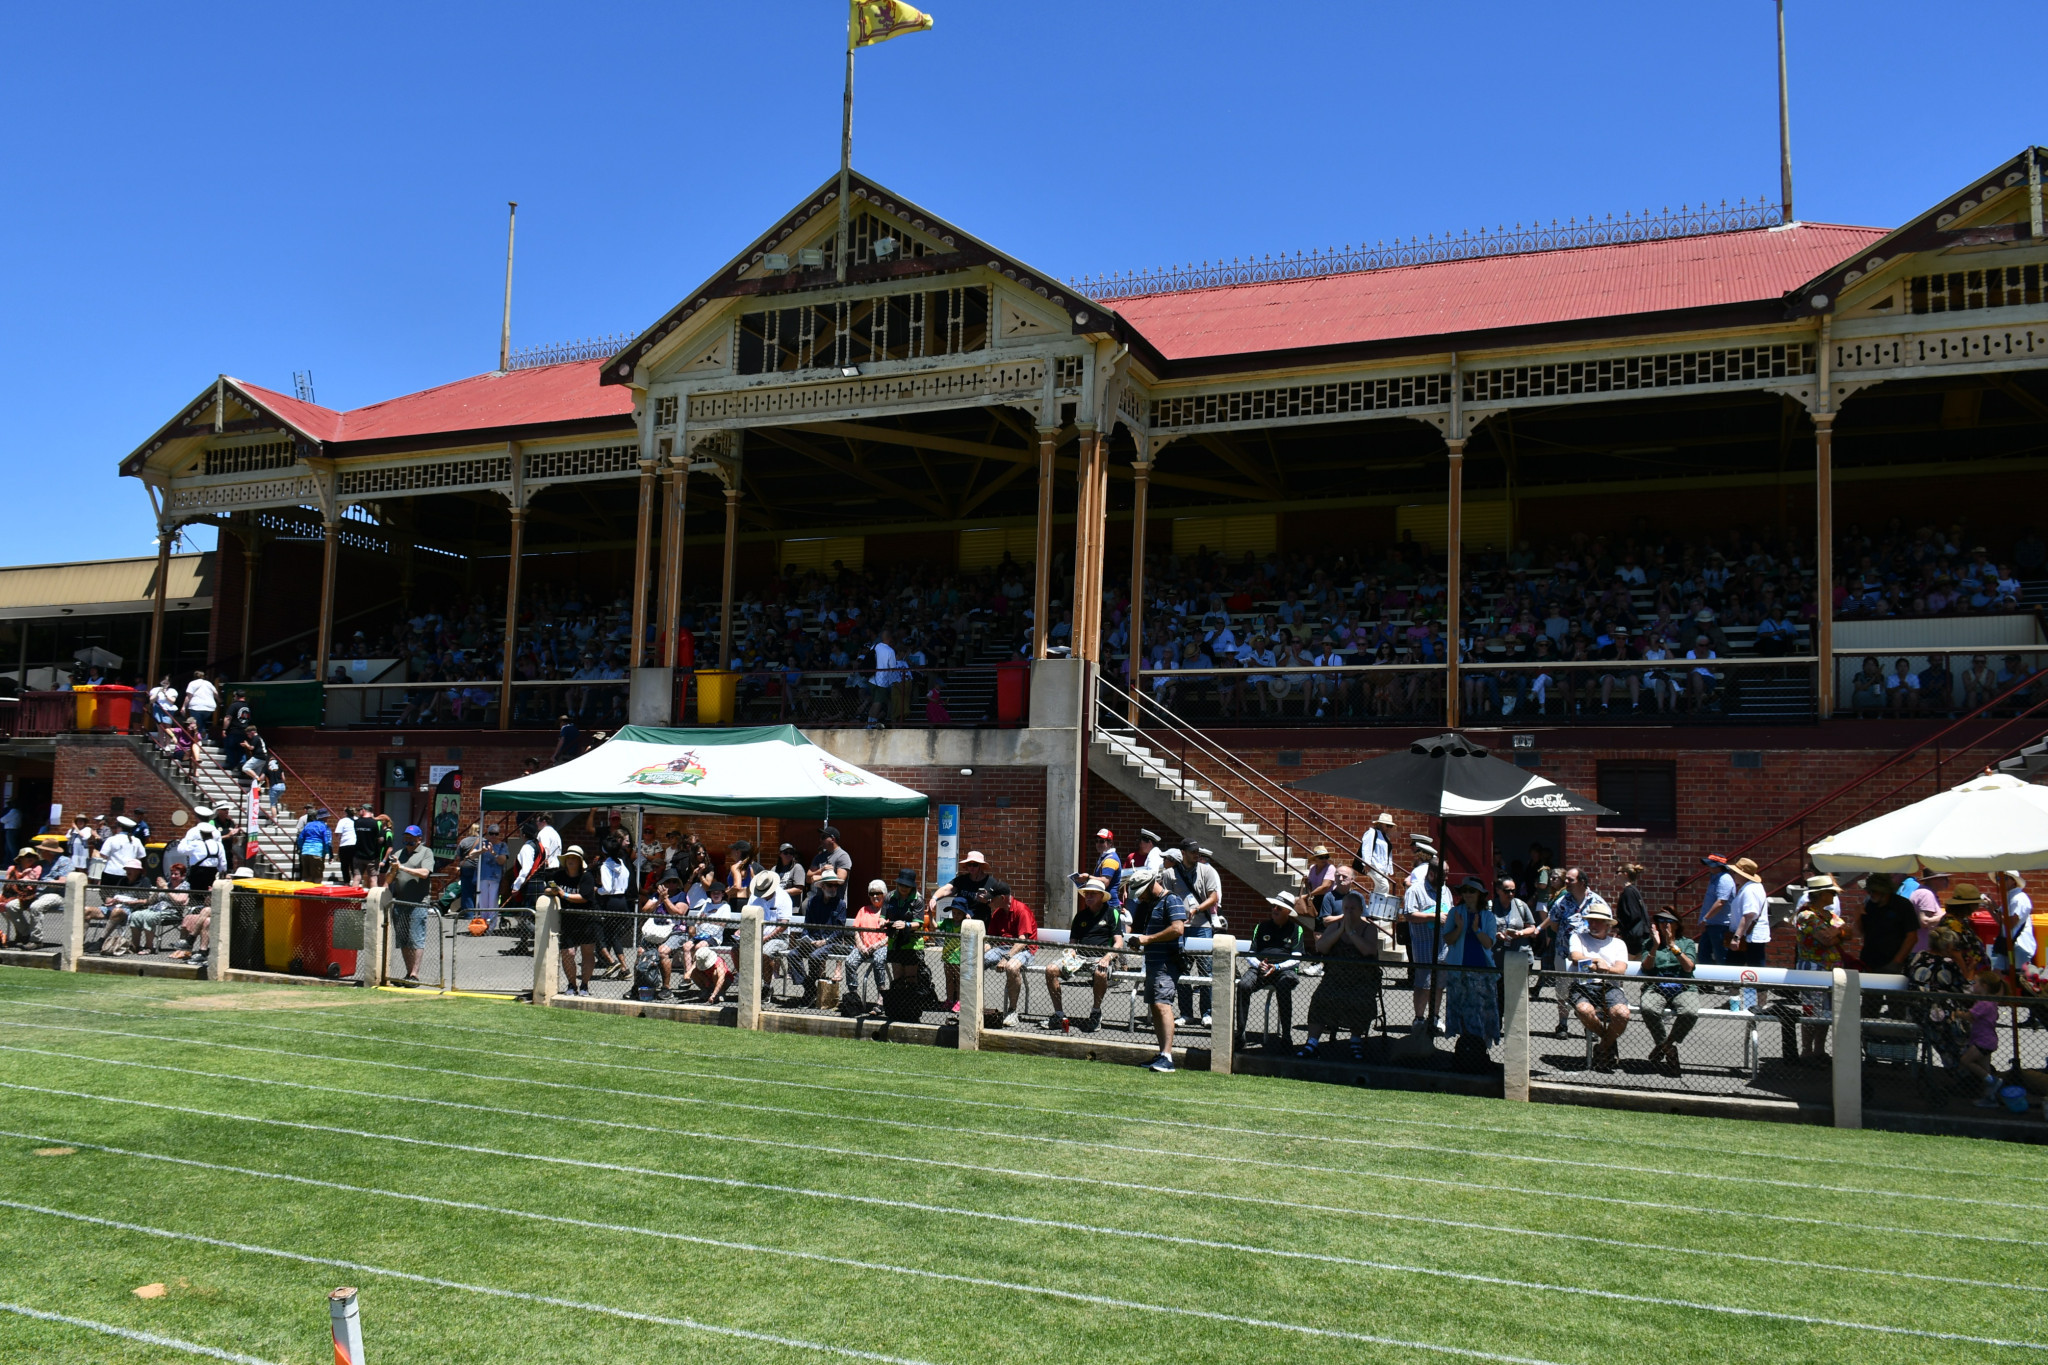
{"x":824,"y":916}
{"x":830,"y":854}
{"x":121,"y":849}
{"x":315,"y":842}
{"x":409,"y":908}
{"x":78,"y":839}
{"x":1670,"y":955}
{"x":1098,"y":927}
{"x":1109,"y":864}
{"x":1200,"y":886}
{"x":907,"y":922}
{"x":973,"y":877}
{"x":1717,"y":910}
{"x":1598,"y":1000}
{"x":1147,"y":855}
{"x":1375,"y":853}
{"x":204,"y":855}
{"x":1270,"y":964}
{"x":1159,"y":918}
{"x":790,"y":869}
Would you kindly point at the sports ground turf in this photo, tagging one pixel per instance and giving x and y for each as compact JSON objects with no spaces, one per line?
{"x":504,"y":1183}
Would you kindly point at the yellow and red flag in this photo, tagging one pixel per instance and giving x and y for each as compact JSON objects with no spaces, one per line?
{"x":877,"y":21}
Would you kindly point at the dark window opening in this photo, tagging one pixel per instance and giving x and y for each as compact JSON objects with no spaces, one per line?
{"x":1642,"y":793}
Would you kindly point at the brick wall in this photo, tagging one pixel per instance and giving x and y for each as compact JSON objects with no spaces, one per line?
{"x":91,"y":772}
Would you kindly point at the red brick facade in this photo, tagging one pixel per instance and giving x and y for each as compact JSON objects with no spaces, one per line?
{"x":92,"y":772}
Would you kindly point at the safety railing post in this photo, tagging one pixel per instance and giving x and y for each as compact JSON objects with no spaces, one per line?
{"x":220,"y":907}
{"x":1223,"y":1003}
{"x":973,"y":937}
{"x":373,"y":964}
{"x":1514,"y":1026}
{"x":749,"y":955}
{"x":74,"y":920}
{"x":1846,"y":999}
{"x":547,"y":933}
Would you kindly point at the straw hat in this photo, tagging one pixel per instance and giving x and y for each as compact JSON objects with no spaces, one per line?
{"x":764,"y":884}
{"x":1745,"y":868}
{"x":1094,"y":886}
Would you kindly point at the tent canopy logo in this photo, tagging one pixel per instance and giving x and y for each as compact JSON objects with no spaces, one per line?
{"x":1550,"y":800}
{"x":839,"y":775}
{"x":685,"y":770}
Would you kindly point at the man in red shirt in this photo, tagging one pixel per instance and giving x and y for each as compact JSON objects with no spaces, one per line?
{"x":1010,"y":918}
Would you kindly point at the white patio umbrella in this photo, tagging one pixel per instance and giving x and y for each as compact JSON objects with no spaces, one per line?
{"x":1990,"y":823}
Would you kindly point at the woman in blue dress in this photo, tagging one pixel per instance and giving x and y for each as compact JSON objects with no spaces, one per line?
{"x":1471,"y":997}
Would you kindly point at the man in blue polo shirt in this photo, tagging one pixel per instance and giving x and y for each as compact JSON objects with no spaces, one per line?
{"x":1160,"y":918}
{"x":315,"y":843}
{"x":1717,"y":910}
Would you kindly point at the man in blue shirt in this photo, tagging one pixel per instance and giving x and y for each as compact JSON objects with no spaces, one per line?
{"x":1717,"y":910}
{"x":315,"y":843}
{"x":1160,"y":919}
{"x":1109,"y":864}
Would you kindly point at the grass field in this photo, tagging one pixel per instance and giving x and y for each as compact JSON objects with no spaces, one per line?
{"x":504,"y":1183}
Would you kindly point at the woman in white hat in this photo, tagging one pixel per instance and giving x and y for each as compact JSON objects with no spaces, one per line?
{"x":576,"y":891}
{"x":1819,"y":933}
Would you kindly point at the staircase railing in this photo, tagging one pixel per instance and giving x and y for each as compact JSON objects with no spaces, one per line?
{"x":1800,"y":819}
{"x":1297,"y":823}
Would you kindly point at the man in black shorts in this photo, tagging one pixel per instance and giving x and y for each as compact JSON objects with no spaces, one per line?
{"x":1160,"y":919}
{"x":1098,"y":927}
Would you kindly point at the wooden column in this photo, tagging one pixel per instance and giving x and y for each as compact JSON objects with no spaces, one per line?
{"x":329,"y":551}
{"x":1141,"y":480}
{"x":518,"y":545}
{"x":1041,"y":602}
{"x":164,"y":533}
{"x":678,"y":503}
{"x":1824,"y":559}
{"x":1454,"y":554}
{"x":732,"y":547}
{"x":1088,"y":546}
{"x":252,"y":550}
{"x":642,"y":543}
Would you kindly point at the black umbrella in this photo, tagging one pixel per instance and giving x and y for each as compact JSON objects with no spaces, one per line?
{"x":1449,"y":775}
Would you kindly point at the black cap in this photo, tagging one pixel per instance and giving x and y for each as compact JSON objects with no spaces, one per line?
{"x":829,"y":832}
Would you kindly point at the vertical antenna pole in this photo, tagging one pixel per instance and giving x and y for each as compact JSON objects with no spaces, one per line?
{"x":1784,"y":124}
{"x":845,"y":154}
{"x":505,"y":331}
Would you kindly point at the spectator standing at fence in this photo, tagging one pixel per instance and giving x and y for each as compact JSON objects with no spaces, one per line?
{"x":1272,"y":963}
{"x":614,"y":879}
{"x":1471,"y":994}
{"x":1819,"y":934}
{"x":1717,"y":910}
{"x":1599,"y":1001}
{"x":78,"y":839}
{"x":1422,"y":909}
{"x":576,"y":893}
{"x":1109,"y":864}
{"x":1676,"y":956}
{"x":411,"y":915}
{"x":1098,"y":927}
{"x":1516,"y":931}
{"x":1200,"y":886}
{"x":315,"y":842}
{"x":1632,"y":915}
{"x":2016,"y":946}
{"x":1159,"y":918}
{"x":1752,"y":933}
{"x":203,"y":851}
{"x":908,"y":921}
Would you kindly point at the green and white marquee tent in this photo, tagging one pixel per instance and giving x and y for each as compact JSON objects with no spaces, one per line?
{"x":766,"y":770}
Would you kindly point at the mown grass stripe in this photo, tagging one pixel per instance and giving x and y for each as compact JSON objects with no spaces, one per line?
{"x":190,"y":1348}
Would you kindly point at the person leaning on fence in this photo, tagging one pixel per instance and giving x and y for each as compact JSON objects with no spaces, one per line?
{"x":907,"y":921}
{"x":1098,"y":927}
{"x":1159,"y":918}
{"x":1273,"y":963}
{"x":1348,"y":946}
{"x":949,"y":913}
{"x":1599,"y":1001}
{"x":1674,"y":956}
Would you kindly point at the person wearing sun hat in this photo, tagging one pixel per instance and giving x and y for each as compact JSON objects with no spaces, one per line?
{"x":1375,"y":852}
{"x":1598,"y":1000}
{"x":1097,"y":926}
{"x":1819,"y":934}
{"x":576,"y":890}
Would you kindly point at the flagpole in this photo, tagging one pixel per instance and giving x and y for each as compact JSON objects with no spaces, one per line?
{"x":845,"y":152}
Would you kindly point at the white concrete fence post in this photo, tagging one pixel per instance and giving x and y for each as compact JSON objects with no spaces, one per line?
{"x":1514,"y":1026}
{"x":373,"y":963}
{"x":547,"y":933}
{"x":1223,"y":1003}
{"x":1846,"y":999}
{"x":973,"y":938}
{"x":74,"y":919}
{"x":220,"y":905}
{"x":748,"y":954}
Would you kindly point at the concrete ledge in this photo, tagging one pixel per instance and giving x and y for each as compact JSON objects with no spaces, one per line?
{"x":1330,"y":1071}
{"x":1668,"y":1102}
{"x":2030,"y":1129}
{"x":49,"y":958}
{"x":138,"y":966}
{"x":287,"y":979}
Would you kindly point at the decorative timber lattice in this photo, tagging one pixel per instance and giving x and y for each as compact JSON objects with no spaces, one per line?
{"x":304,"y":524}
{"x":1961,"y":291}
{"x":1943,"y":348}
{"x":206,"y":497}
{"x":1354,"y":396}
{"x":1019,"y":381}
{"x":1068,"y":371}
{"x":249,"y":459}
{"x":482,"y":471}
{"x":1671,"y":370}
{"x":582,"y":462}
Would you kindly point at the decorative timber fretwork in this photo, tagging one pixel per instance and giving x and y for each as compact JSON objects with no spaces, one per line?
{"x":265,"y":492}
{"x":583,"y":462}
{"x":665,"y":410}
{"x":1968,"y":290}
{"x":304,"y":524}
{"x":1069,"y":369}
{"x":484,"y":471}
{"x":1981,"y":345}
{"x":1344,"y":397}
{"x":1670,"y":370}
{"x":250,"y":459}
{"x":862,"y":331}
{"x":1018,"y":382}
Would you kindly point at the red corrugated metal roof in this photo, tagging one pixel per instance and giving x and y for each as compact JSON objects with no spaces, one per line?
{"x":1446,"y":298}
{"x":549,"y":393}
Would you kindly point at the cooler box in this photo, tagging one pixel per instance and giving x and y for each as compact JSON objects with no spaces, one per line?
{"x":330,"y":929}
{"x":1013,"y":692}
{"x":717,"y":693}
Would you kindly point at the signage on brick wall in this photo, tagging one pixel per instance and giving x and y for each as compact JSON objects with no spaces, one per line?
{"x":949,"y":844}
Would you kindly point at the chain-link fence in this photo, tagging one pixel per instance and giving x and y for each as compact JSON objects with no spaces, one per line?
{"x":1960,"y":1054}
{"x":32,"y":913}
{"x":129,"y":921}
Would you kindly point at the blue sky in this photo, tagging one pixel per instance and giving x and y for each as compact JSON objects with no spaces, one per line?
{"x":264,"y":189}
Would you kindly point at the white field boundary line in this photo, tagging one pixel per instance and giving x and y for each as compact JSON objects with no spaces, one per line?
{"x":976,"y":1281}
{"x":865,"y":1155}
{"x":1023,"y":1220}
{"x":1693,"y":1210}
{"x":1569,"y":1135}
{"x":190,"y":1348}
{"x":492,"y":1291}
{"x":1605,"y":1168}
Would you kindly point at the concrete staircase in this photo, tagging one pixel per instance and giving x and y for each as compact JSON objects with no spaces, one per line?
{"x":220,"y":788}
{"x":1184,"y":805}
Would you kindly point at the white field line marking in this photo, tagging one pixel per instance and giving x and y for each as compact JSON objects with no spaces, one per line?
{"x":1570,"y":1135}
{"x":1604,"y":1167}
{"x":883,"y":1267}
{"x":190,"y":1348}
{"x":1022,"y":1220}
{"x":689,"y":1324}
{"x":1095,"y":1147}
{"x":861,"y":1154}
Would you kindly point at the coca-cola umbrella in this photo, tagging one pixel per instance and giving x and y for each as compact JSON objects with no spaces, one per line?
{"x":1449,"y":775}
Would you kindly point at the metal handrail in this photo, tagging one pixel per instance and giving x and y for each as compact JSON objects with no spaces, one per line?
{"x":1799,"y":820}
{"x":1290,"y":806}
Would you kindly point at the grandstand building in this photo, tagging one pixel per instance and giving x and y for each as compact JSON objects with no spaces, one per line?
{"x":1400,"y":434}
